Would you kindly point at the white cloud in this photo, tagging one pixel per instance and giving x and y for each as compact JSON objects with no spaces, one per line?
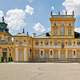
{"x":39,"y":27}
{"x":1,"y":14}
{"x":52,"y":8}
{"x":29,"y":10}
{"x":16,"y":20}
{"x":77,"y":29}
{"x":72,"y":5}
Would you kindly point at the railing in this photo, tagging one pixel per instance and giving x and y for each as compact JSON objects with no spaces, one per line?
{"x":3,"y":42}
{"x":48,"y":46}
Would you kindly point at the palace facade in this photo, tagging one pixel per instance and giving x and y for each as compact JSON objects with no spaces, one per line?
{"x":61,"y":44}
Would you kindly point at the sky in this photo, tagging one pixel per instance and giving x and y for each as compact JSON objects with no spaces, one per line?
{"x":33,"y":15}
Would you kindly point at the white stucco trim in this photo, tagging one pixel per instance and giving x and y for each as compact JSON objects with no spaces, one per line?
{"x":16,"y":54}
{"x":25,"y":54}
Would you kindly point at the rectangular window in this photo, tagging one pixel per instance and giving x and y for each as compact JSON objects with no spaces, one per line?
{"x":78,"y":43}
{"x":69,"y":43}
{"x":69,"y":32}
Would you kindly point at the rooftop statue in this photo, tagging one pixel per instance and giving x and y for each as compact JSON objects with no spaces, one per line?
{"x":3,"y":26}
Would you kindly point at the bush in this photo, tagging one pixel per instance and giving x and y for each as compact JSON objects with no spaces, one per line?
{"x":10,"y":59}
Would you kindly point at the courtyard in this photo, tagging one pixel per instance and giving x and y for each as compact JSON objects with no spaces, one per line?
{"x":39,"y":71}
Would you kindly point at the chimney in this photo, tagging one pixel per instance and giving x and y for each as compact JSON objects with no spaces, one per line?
{"x":34,"y":34}
{"x":73,"y":13}
{"x":27,"y":34}
{"x":51,"y":14}
{"x":66,"y":12}
{"x":23,"y":30}
{"x":59,"y":13}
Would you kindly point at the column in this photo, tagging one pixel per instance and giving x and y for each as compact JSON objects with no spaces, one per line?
{"x":59,"y":54}
{"x":25,"y":55}
{"x":16,"y":54}
{"x":66,"y":54}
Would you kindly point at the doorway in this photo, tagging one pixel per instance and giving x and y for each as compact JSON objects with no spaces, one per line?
{"x":4,"y":55}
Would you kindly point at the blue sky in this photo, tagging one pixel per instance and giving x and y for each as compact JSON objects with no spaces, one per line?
{"x":38,"y":20}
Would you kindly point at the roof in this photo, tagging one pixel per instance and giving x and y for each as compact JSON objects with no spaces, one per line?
{"x":21,"y":34}
{"x":76,"y":35}
{"x":44,"y":35}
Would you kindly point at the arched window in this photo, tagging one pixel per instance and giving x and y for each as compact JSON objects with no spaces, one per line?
{"x":41,"y":42}
{"x":51,"y":52}
{"x":41,"y":53}
{"x":30,"y":52}
{"x":74,"y":53}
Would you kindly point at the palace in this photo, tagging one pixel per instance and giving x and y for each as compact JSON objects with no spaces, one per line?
{"x":61,"y":44}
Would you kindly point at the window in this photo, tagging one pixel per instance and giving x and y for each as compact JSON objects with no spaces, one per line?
{"x":78,"y":43}
{"x":74,"y":42}
{"x":62,"y":30}
{"x":30,"y":52}
{"x":62,"y":44}
{"x":53,"y":23}
{"x":51,"y":52}
{"x":55,"y":43}
{"x":46,"y":43}
{"x":50,"y":43}
{"x":69,"y":32}
{"x":36,"y":43}
{"x":4,"y":49}
{"x":71,"y":24}
{"x":55,"y":30}
{"x":74,"y":53}
{"x":24,"y":40}
{"x":69,"y":43}
{"x":41,"y":53}
{"x":16,"y":40}
{"x":41,"y":42}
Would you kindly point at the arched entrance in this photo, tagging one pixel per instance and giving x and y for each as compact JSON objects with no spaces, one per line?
{"x":4,"y":55}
